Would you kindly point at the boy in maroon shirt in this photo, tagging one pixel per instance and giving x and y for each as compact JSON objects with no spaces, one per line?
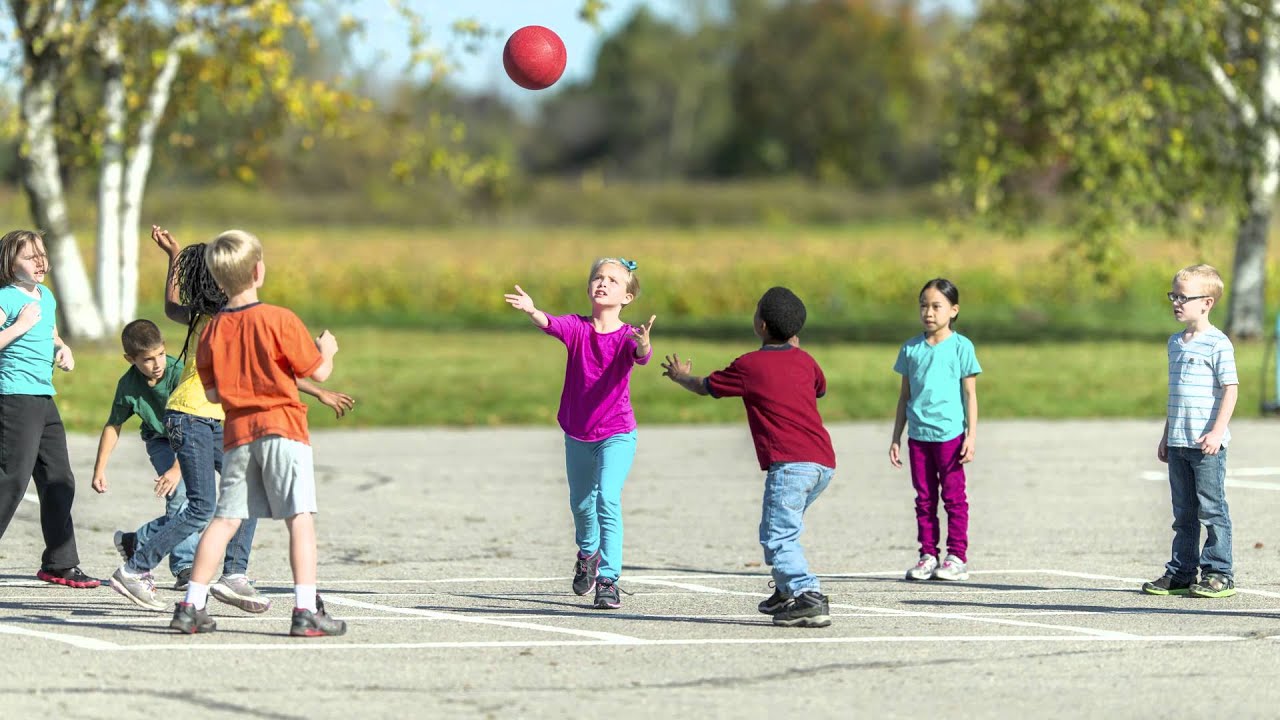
{"x":780,"y":385}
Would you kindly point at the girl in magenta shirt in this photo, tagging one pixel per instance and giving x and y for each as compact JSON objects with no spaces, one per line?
{"x":595,"y":414}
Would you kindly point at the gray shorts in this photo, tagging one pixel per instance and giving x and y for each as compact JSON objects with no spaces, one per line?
{"x":271,"y":477}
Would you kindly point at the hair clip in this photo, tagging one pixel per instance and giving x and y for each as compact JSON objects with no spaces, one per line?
{"x":630,"y":265}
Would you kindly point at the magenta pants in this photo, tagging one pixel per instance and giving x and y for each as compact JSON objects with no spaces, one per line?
{"x":936,"y":470}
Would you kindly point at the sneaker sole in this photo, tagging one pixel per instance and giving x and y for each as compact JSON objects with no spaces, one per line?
{"x":247,"y":604}
{"x":89,"y":585}
{"x":193,"y":630}
{"x":953,"y":578}
{"x":917,"y":577}
{"x":313,"y":632}
{"x":1162,"y":593}
{"x":1228,"y":592}
{"x":118,"y":539}
{"x":813,"y":621}
{"x":140,"y":602}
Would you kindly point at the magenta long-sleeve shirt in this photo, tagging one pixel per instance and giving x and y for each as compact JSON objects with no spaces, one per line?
{"x":596,"y":400}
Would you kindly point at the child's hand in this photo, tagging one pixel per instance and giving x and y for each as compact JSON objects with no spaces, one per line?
{"x":967,"y":449}
{"x":339,"y":402}
{"x":641,"y":335}
{"x":64,"y":359}
{"x":164,"y":240}
{"x":99,"y":484}
{"x":1162,"y":450}
{"x":28,"y":316}
{"x":1210,"y":443}
{"x":166,"y":483}
{"x":673,"y":368}
{"x":327,"y":344}
{"x":895,"y":457}
{"x":520,"y":300}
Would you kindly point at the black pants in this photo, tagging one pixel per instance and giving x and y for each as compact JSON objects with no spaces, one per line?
{"x":33,"y":445}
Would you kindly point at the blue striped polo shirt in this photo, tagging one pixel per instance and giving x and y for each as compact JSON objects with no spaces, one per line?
{"x":1198,"y":370}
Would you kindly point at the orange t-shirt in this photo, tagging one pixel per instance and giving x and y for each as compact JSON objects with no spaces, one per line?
{"x":252,"y":356}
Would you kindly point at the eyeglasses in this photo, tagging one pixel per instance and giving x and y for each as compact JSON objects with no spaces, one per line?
{"x":1178,"y":299}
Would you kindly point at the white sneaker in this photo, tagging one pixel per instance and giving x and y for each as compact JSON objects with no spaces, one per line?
{"x":924,"y":568}
{"x":139,"y":589}
{"x":953,"y":568}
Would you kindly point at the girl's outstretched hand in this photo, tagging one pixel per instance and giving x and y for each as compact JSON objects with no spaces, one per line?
{"x":520,"y":300}
{"x":641,"y":333}
{"x":164,"y":240}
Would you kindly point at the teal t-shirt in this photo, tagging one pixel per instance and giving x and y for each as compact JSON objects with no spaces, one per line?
{"x":135,"y":397}
{"x":26,"y":364}
{"x":935,"y":412}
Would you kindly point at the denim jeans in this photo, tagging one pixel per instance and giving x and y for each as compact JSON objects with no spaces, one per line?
{"x":789,"y":490}
{"x":161,"y":454}
{"x":597,"y":472}
{"x":197,"y":442}
{"x":1197,"y":484}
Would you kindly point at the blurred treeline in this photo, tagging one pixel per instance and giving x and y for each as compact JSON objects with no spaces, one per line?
{"x":737,"y":111}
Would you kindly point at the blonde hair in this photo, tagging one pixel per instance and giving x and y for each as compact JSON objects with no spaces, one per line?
{"x":11,"y":246}
{"x":1207,"y":275}
{"x":633,"y":282}
{"x":231,"y":258}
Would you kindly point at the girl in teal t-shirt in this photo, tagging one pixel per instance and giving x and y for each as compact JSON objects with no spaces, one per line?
{"x":33,"y":443}
{"x":938,"y":404}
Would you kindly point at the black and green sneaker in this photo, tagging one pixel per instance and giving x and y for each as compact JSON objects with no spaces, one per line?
{"x":1213,"y":585}
{"x":1167,"y":585}
{"x":808,"y":609}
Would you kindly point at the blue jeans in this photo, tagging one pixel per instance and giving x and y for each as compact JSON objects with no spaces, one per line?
{"x":1197,"y":484}
{"x":789,"y":490}
{"x":597,"y":472}
{"x":197,"y":442}
{"x":182,"y":556}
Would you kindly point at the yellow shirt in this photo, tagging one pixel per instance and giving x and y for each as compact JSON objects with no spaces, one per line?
{"x":189,"y":396}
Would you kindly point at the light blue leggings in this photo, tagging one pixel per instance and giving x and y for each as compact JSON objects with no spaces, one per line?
{"x":597,"y":471}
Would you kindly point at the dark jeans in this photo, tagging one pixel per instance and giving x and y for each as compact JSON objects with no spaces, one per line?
{"x":197,"y":441}
{"x":1197,"y":484}
{"x":33,"y":445}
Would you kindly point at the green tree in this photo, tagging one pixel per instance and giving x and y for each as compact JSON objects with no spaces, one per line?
{"x":1150,"y":112}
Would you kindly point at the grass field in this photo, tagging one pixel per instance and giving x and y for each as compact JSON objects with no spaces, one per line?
{"x":486,"y":378}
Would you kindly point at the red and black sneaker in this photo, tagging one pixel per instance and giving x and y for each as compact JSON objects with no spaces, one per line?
{"x":71,"y":577}
{"x":315,"y":624}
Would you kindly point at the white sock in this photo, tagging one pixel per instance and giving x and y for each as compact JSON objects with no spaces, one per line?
{"x":306,"y":597}
{"x":197,"y":595}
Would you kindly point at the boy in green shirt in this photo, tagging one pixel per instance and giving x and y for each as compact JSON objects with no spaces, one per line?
{"x":143,"y":391}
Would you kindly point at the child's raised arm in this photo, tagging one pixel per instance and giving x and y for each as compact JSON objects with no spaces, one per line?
{"x":681,"y":374}
{"x":521,"y":301}
{"x":173,"y":307}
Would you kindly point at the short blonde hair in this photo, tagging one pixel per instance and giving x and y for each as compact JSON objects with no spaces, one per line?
{"x":1208,"y":276}
{"x":633,"y":282}
{"x":231,"y":258}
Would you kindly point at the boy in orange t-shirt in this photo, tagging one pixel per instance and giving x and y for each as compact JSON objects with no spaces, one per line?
{"x":249,"y":359}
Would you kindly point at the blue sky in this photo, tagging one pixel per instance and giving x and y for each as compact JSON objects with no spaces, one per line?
{"x":483,"y":71}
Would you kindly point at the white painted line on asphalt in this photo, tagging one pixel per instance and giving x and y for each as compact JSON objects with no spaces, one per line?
{"x":74,"y":640}
{"x":602,"y":636}
{"x":311,"y":646}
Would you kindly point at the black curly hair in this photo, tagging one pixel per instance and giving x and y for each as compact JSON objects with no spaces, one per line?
{"x":783,"y":313}
{"x":197,"y":290}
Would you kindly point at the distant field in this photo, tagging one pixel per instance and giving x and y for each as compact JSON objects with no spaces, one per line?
{"x":487,"y":378}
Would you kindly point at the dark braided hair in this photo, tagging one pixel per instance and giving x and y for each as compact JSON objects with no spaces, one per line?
{"x":197,"y":290}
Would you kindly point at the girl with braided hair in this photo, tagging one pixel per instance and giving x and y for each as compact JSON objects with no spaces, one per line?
{"x":194,"y":428}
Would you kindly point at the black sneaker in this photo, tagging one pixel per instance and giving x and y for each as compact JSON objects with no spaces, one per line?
{"x":774,"y":604}
{"x":126,"y":544}
{"x":315,"y":624}
{"x":807,"y":609}
{"x":182,"y":579}
{"x":71,"y":577}
{"x":1166,"y":585}
{"x":607,"y":597}
{"x":187,"y":619}
{"x":1213,"y":585}
{"x":584,"y":573}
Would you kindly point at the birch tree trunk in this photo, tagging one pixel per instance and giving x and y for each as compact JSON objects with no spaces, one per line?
{"x":111,"y":180}
{"x":78,"y":316}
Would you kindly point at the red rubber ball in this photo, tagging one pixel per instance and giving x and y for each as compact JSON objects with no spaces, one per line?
{"x":534,"y":57}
